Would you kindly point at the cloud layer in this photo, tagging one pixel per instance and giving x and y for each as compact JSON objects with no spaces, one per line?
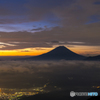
{"x":25,"y":74}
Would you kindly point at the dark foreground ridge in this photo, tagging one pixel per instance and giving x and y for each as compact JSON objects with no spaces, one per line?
{"x":58,"y":95}
{"x":94,"y":98}
{"x":59,"y":53}
{"x":46,"y":96}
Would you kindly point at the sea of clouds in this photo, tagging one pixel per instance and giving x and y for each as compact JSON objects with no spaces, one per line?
{"x":27,"y":74}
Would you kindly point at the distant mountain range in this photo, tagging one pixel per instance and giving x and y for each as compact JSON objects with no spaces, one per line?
{"x":95,"y":58}
{"x":59,"y":53}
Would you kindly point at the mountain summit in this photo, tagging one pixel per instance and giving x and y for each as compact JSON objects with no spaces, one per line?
{"x":58,"y":53}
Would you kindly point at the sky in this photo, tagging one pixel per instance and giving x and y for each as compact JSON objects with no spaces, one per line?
{"x":34,"y":27}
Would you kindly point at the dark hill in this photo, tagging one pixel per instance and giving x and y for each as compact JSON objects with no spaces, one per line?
{"x":95,"y":58}
{"x":58,"y":53}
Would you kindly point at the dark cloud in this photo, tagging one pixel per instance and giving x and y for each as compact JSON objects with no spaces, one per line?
{"x":25,"y":51}
{"x":37,"y":29}
{"x":55,"y":41}
{"x":51,"y":3}
{"x":71,"y":12}
{"x":40,"y":49}
{"x":39,"y":10}
{"x":97,"y":3}
{"x":78,"y":13}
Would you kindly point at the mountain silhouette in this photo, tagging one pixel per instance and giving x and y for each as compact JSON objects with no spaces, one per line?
{"x":58,"y":53}
{"x":95,"y":58}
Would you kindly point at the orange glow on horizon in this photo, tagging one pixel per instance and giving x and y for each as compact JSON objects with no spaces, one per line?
{"x":24,"y":52}
{"x":83,"y":50}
